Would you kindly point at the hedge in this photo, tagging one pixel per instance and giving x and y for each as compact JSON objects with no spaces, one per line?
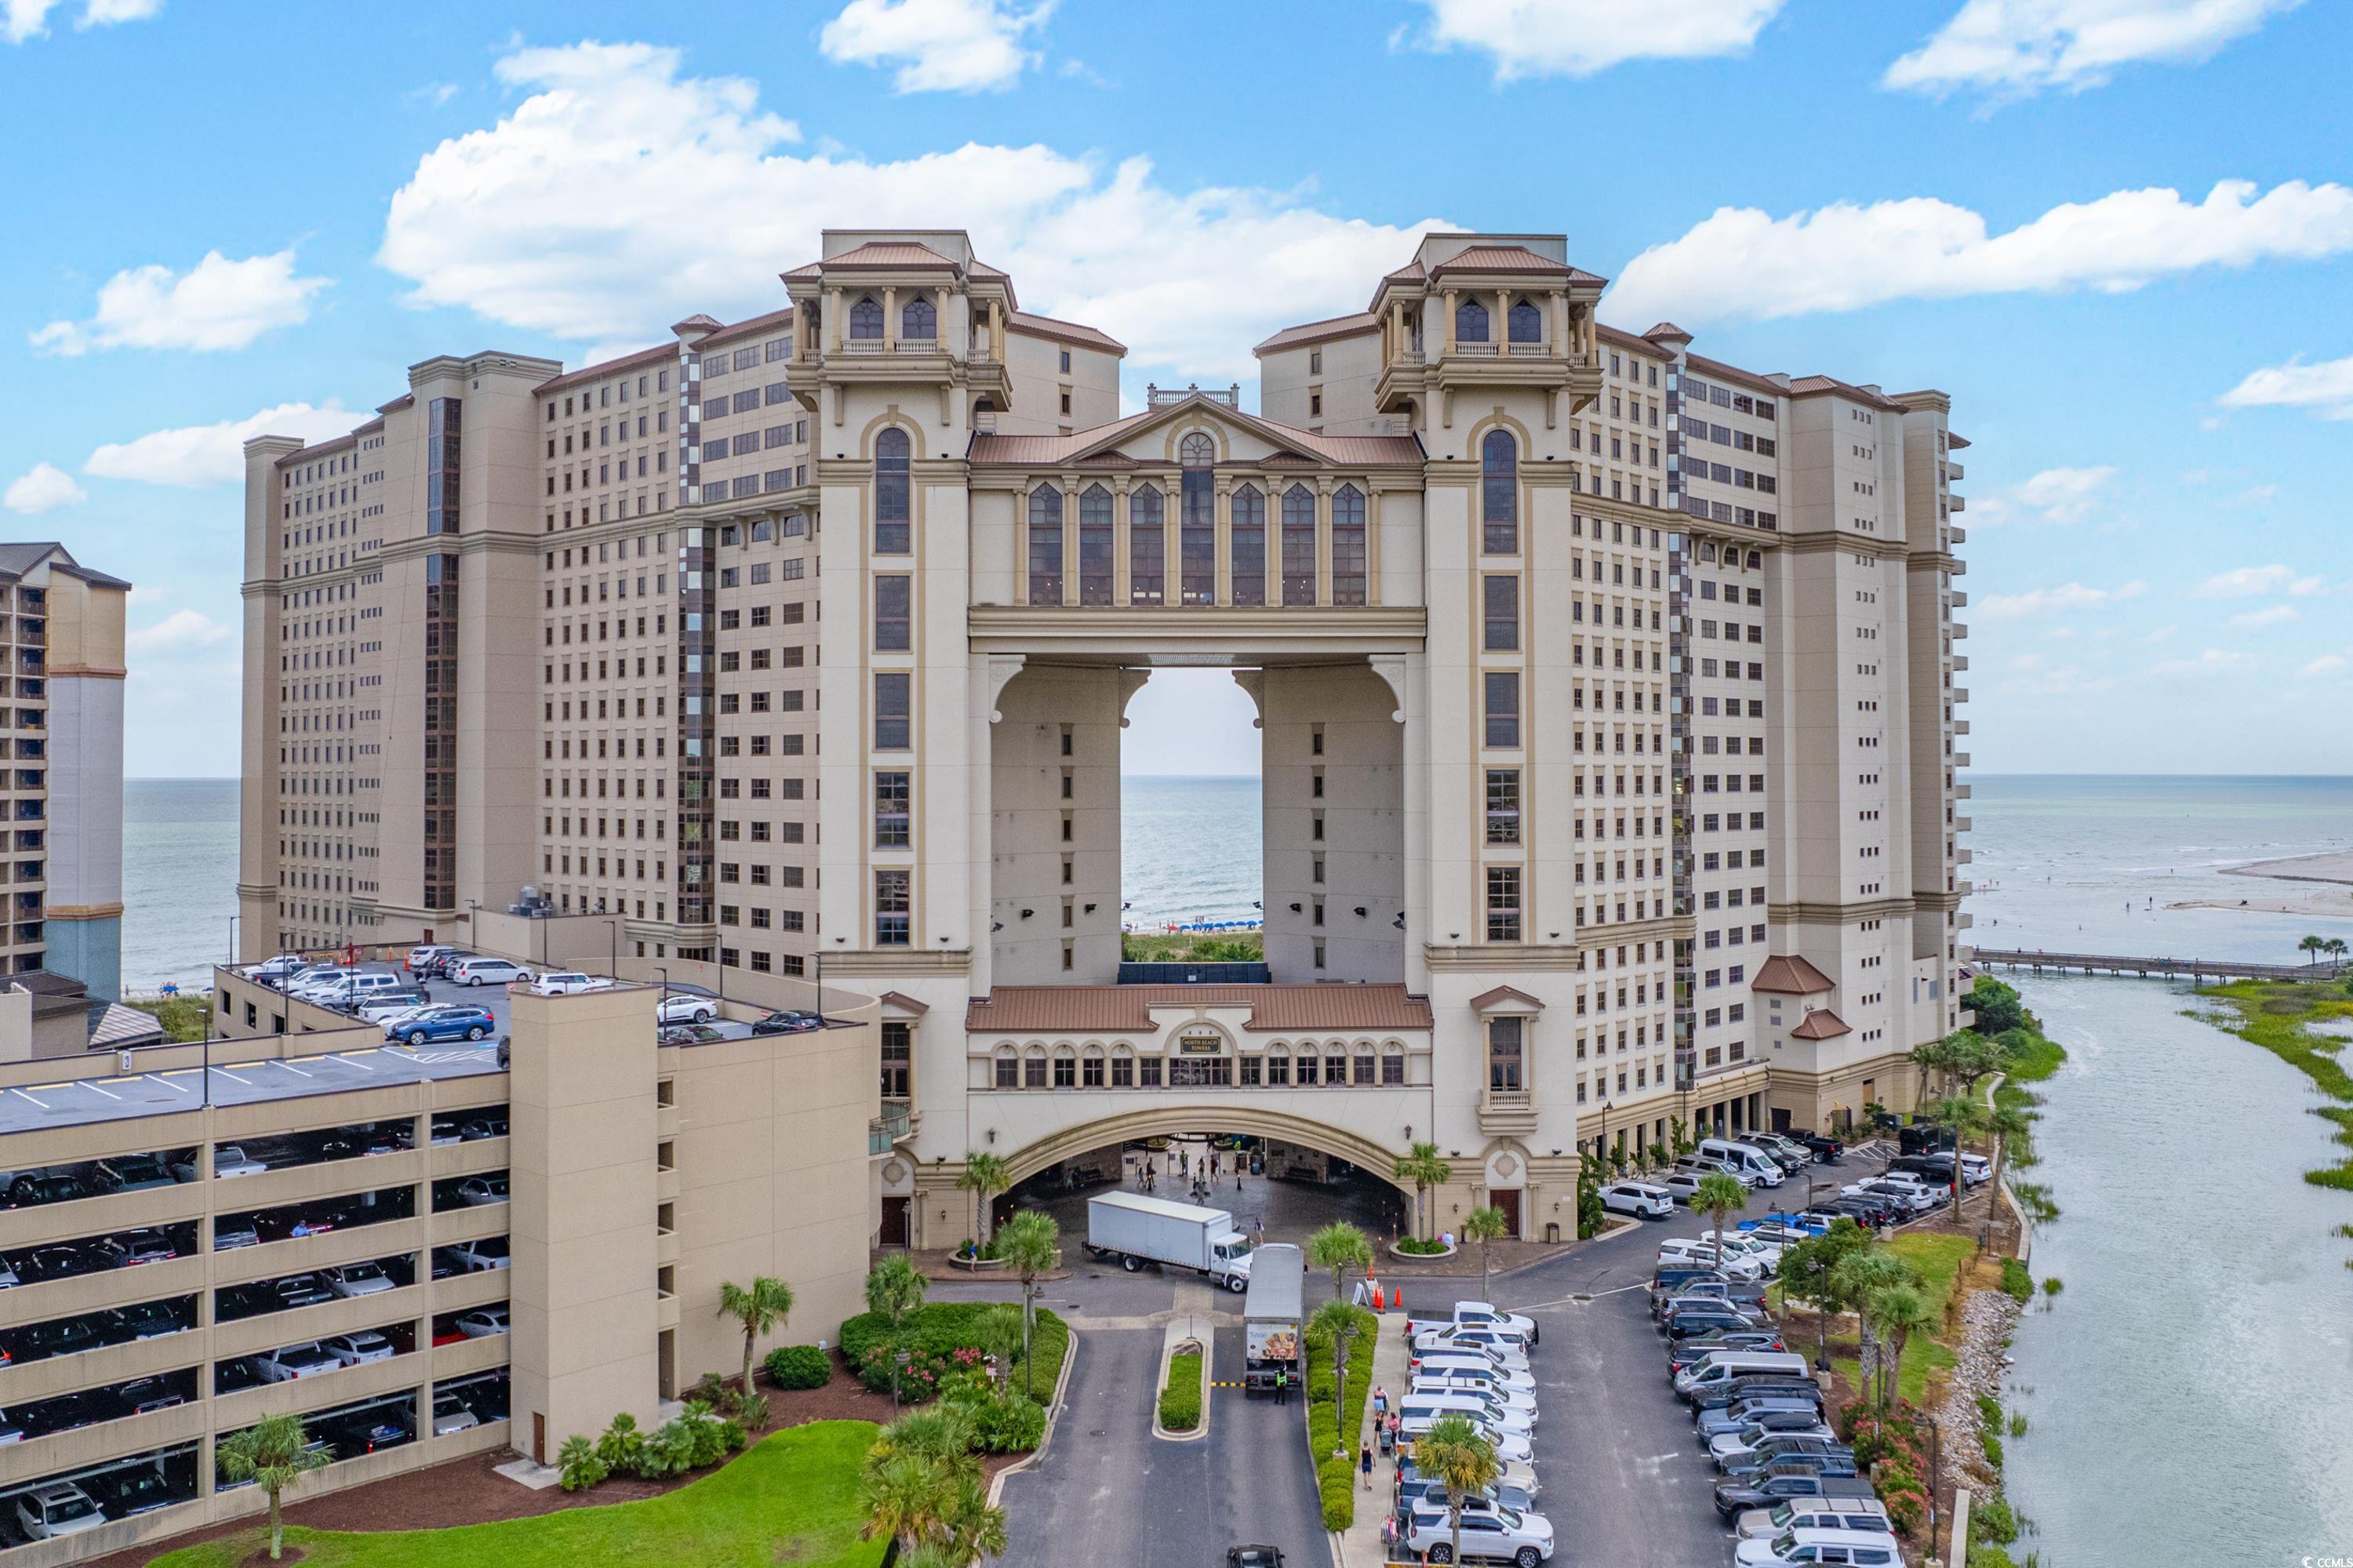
{"x":1335,"y":1472}
{"x":942,"y":1338}
{"x":799,"y":1366}
{"x":1180,"y":1398}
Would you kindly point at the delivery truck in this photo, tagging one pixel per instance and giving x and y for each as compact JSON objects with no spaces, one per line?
{"x":1270,"y":1317}
{"x":1131,"y":1231}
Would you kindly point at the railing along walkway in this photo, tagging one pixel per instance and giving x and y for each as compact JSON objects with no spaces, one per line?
{"x":2168,"y":968}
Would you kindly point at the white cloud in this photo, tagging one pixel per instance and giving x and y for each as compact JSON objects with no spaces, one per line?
{"x":2326,"y":388}
{"x":2162,"y":632}
{"x":1578,"y":38}
{"x":195,"y":455}
{"x":41,"y":489}
{"x":2328,"y":665}
{"x":1744,"y":262}
{"x":2064,"y":494}
{"x":2020,"y":47}
{"x":2275,"y":615}
{"x":23,"y":19}
{"x":2248,"y":582}
{"x":939,"y":45}
{"x":219,"y":303}
{"x":2213,"y":662}
{"x":495,"y":221}
{"x":2052,"y":601}
{"x":178,"y":632}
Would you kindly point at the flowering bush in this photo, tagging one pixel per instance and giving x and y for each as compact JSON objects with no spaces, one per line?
{"x":1908,"y":1510}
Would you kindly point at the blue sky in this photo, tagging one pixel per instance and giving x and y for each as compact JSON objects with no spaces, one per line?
{"x":2119,"y":232}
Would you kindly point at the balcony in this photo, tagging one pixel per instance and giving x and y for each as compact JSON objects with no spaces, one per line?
{"x":1960,"y":599}
{"x":1168,"y":397}
{"x":1956,"y":503}
{"x":885,"y":1130}
{"x":1507,"y":1113}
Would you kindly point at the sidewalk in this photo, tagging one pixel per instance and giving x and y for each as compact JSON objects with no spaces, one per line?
{"x":1360,"y":1546}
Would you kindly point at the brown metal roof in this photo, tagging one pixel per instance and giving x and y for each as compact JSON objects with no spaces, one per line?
{"x":596,"y":372}
{"x":888,"y":256}
{"x":1788,"y":975}
{"x":1322,"y":331}
{"x":1667,"y":331}
{"x":1813,"y":385}
{"x":1717,"y":367}
{"x":1510,"y":258}
{"x":1126,"y":1009}
{"x":1487,"y":999}
{"x":745,"y":328}
{"x":1034,"y":325}
{"x":904,"y":1003}
{"x":1955,"y":440}
{"x":1820,"y":1024}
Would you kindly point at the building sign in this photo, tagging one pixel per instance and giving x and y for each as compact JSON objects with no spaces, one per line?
{"x":1199,"y":1044}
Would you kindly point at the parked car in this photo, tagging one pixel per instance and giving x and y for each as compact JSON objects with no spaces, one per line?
{"x":477,"y":1190}
{"x":269,"y":971}
{"x":685,"y":1007}
{"x":134,"y":1490}
{"x":131,"y":1173}
{"x":1481,"y":1314}
{"x":1841,"y":1548}
{"x":477,"y":971}
{"x":1835,"y":1458}
{"x":58,"y":1336}
{"x":487,"y":1252}
{"x":1690,"y":1250}
{"x":357,"y":1349}
{"x":228,"y":1159}
{"x":1742,"y":1390}
{"x":357,"y":1279}
{"x":1476,"y":1363}
{"x":306,"y":1360}
{"x":451,"y":1416}
{"x":1639,"y":1198}
{"x":1866,"y":1514}
{"x":443,"y":1024}
{"x":144,"y":1396}
{"x":1774,"y":1424}
{"x":350,"y":988}
{"x":492,"y":1124}
{"x":243,"y":1373}
{"x":1686,"y":1353}
{"x":787,"y":1020}
{"x":1513,"y":1477}
{"x":1735,"y":1497}
{"x":147,"y":1320}
{"x":441,"y":964}
{"x":35,"y":1187}
{"x":568,"y":983}
{"x":393,"y":1005}
{"x":234,"y":1231}
{"x":1713,"y":1424}
{"x":421,"y":959}
{"x":57,"y":1508}
{"x":1679,"y":1185}
{"x":1456,"y":1336}
{"x":1525,"y":1539}
{"x":1825,"y":1150}
{"x":690,"y":1034}
{"x":132,"y":1248}
{"x":60,"y":1261}
{"x":359,"y":1432}
{"x":302,"y":1290}
{"x":483,"y":1322}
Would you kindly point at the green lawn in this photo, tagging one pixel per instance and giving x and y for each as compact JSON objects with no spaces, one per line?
{"x":1938,"y":1258}
{"x":790,"y":1501}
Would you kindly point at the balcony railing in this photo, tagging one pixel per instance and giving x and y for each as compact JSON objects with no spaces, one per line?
{"x":886,"y":1129}
{"x":1167,"y":397}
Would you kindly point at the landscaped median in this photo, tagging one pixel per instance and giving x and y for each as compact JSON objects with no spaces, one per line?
{"x":1180,"y":1393}
{"x":1333,"y":1410}
{"x":792,"y":1498}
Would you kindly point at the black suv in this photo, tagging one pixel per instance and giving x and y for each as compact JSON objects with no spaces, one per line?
{"x":1779,"y":1481}
{"x":36,"y":1188}
{"x":58,"y":1336}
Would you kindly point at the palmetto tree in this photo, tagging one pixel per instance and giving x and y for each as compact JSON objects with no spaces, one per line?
{"x":1425,"y":1169}
{"x":1963,"y":1115}
{"x":273,"y":1453}
{"x":998,"y":1330}
{"x":985,"y":1176}
{"x":1339,"y":1246}
{"x":902,"y":1497}
{"x":1719,"y":1197}
{"x":1899,"y":1312}
{"x":2002,"y":1123}
{"x":1029,"y":1244}
{"x":1860,"y":1276}
{"x":762,"y":1310}
{"x":1483,"y":1226}
{"x":2315,"y":946}
{"x":1461,"y":1458}
{"x":1807,"y":1270}
{"x":1338,"y":1319}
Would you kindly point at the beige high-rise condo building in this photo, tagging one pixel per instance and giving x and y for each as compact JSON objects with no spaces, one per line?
{"x":1611,"y":737}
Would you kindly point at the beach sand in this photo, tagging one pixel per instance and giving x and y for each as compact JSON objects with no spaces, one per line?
{"x":2333,"y":906}
{"x":2335,"y":866}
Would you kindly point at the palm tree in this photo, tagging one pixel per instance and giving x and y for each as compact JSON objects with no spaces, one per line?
{"x":901,"y":1496}
{"x":2315,"y":946}
{"x":1719,"y":1196}
{"x":985,"y":1176}
{"x":895,"y":1288}
{"x":272,"y":1453}
{"x":935,"y":1434}
{"x":1455,"y":1453}
{"x":1425,"y":1170}
{"x":1339,"y":1246}
{"x":1028,"y":1244}
{"x":1963,"y":1115}
{"x":1899,"y":1313}
{"x":1339,"y":1319}
{"x":998,"y":1330}
{"x":762,"y":1310}
{"x":972,"y":1528}
{"x":1806,"y":1275}
{"x":1859,"y":1277}
{"x":2001,"y":1124}
{"x":1483,"y":1226}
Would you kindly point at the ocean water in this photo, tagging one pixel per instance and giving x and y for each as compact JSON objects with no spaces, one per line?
{"x":1189,"y":850}
{"x":179,"y":879}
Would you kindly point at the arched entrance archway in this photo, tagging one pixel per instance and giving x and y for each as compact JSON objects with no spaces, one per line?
{"x":1171,"y":1121}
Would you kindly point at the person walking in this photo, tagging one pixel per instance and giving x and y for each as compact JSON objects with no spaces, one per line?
{"x":1380,"y":1401}
{"x":1282,"y":1384}
{"x":1364,"y":1462}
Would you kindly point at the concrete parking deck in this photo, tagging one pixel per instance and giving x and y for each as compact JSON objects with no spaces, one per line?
{"x":242,"y":1080}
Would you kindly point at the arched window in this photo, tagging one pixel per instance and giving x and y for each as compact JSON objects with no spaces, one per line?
{"x":1470,"y":321}
{"x":1122,"y":1067}
{"x":1066,"y":1068}
{"x":1147,"y":546}
{"x":1197,"y":522}
{"x":893,"y":519}
{"x":1299,"y":546}
{"x":1499,"y":492}
{"x":1525,"y":323}
{"x":866,"y":318}
{"x":919,"y":318}
{"x":1091,"y":1068}
{"x":1094,"y":546}
{"x":1250,"y":545}
{"x":1278,"y":1068}
{"x":1348,"y":545}
{"x":1044,"y":546}
{"x":1033,"y":1069}
{"x":1008,"y":1069}
{"x":1392,"y":1065}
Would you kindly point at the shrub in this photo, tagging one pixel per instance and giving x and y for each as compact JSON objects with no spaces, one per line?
{"x":2016,"y":1282}
{"x":941,"y":1337}
{"x":1990,"y":1411}
{"x":621,"y":1450}
{"x":1992,"y":1445}
{"x":1007,"y":1423}
{"x":1906,"y":1509}
{"x":578,"y":1461}
{"x":1335,"y":1484}
{"x":754,"y":1413}
{"x":718,"y":1393}
{"x":1180,"y":1400}
{"x":798,"y":1367}
{"x":1323,"y":1431}
{"x":1420,"y":1247}
{"x":1992,"y":1522}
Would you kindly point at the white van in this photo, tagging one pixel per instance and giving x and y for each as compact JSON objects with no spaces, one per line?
{"x":1814,"y":1514}
{"x":351,"y":986}
{"x":1720,"y":1367}
{"x":1760,"y":1168}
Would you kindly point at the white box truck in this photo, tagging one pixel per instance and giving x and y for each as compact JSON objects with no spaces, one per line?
{"x":1272,"y":1316}
{"x":1132,"y":1230}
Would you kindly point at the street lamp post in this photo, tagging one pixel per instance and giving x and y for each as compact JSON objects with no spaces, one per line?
{"x":899,"y":1360}
{"x":1935,"y":1472}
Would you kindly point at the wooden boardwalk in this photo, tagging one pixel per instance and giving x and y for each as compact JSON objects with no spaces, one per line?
{"x":2042,"y":962}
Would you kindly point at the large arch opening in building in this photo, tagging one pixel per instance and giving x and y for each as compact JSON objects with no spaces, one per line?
{"x":1192,"y":850}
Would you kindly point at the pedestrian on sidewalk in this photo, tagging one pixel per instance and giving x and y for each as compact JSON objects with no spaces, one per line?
{"x":1380,"y":1401}
{"x":1364,"y":1462}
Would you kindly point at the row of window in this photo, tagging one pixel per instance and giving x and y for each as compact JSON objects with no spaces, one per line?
{"x":1092,"y":1069}
{"x":1298,"y":542}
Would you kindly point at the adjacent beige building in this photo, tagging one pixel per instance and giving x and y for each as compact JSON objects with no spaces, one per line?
{"x":1612,"y":759}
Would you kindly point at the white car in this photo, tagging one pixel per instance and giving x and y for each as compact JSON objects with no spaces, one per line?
{"x":1502,"y":1536}
{"x":1478,"y":1361}
{"x":60,"y":1509}
{"x":1514,"y":1406}
{"x":1857,"y":1548}
{"x":489,"y":971}
{"x":568,"y":983}
{"x":1473,"y":1336}
{"x":1741,"y":1244}
{"x":356,"y":1279}
{"x":1480,"y":1314}
{"x":477,"y":1190}
{"x":451,"y":1416}
{"x":686,"y":1007}
{"x":484,"y":1323}
{"x":228,"y":1159}
{"x":490,"y":1252}
{"x":1732,"y":1444}
{"x":1639,"y":1199}
{"x":397,"y":1007}
{"x":1685,"y":1252}
{"x":357,"y":1349}
{"x":306,"y":1360}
